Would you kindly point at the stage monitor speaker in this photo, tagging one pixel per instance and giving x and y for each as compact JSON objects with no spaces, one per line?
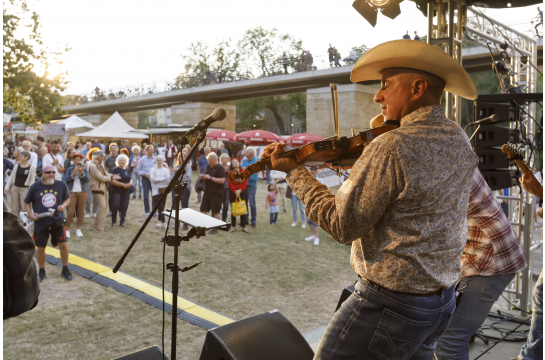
{"x":486,"y":109}
{"x":500,"y":179}
{"x":268,"y":336}
{"x":347,"y":291}
{"x":489,"y":135}
{"x":150,"y":353}
{"x":492,"y":159}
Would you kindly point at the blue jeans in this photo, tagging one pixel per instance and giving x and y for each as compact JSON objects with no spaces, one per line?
{"x":91,"y":198}
{"x":226,"y":205}
{"x":146,"y":184}
{"x":294,"y":201}
{"x":250,"y":193}
{"x":533,"y":349}
{"x":479,"y":296}
{"x":184,"y":201}
{"x":268,"y":175}
{"x":376,"y":323}
{"x":137,"y":180}
{"x":120,"y":202}
{"x":274,"y":217}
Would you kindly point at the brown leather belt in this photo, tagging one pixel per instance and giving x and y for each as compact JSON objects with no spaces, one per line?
{"x":98,"y":192}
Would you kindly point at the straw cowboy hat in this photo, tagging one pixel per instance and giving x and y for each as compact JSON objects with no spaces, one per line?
{"x":415,"y":55}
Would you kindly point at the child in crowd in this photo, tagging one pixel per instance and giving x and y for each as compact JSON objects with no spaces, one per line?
{"x":314,"y":228}
{"x":271,"y":203}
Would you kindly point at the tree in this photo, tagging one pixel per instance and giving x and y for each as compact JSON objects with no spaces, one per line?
{"x":143,"y":118}
{"x":250,"y":111}
{"x":266,"y":47}
{"x":33,"y":97}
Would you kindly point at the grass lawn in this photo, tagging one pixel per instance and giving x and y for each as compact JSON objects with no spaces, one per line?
{"x":241,"y":275}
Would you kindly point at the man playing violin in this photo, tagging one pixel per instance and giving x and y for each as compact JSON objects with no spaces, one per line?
{"x":403,"y":208}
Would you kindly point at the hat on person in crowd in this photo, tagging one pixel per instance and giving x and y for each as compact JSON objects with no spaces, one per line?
{"x":48,"y":167}
{"x":92,"y":151}
{"x":312,"y":168}
{"x":419,"y":56}
{"x":77,"y":155}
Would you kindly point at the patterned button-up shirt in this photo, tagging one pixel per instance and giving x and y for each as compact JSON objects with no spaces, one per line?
{"x":492,"y":246}
{"x":404,"y":206}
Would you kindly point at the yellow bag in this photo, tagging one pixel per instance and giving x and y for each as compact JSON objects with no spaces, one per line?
{"x":238,"y":208}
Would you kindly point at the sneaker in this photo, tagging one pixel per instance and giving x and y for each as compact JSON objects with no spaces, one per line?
{"x":79,"y":233}
{"x":184,"y":227}
{"x":284,"y":211}
{"x":67,"y":232}
{"x":41,"y":274}
{"x":147,"y":214}
{"x":66,"y":274}
{"x":253,"y":225}
{"x":310,"y":238}
{"x":294,"y":224}
{"x":159,"y":224}
{"x":316,"y":241}
{"x":109,"y":214}
{"x":304,"y":225}
{"x":198,"y":201}
{"x":95,"y":215}
{"x":87,"y":216}
{"x":165,"y":224}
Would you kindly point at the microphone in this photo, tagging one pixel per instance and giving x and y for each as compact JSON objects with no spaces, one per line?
{"x":218,"y":115}
{"x":492,"y":118}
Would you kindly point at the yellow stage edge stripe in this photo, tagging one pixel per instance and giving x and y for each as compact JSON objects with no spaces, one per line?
{"x":149,"y":289}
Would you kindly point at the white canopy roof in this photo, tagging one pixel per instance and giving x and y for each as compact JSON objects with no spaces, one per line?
{"x":74,"y":122}
{"x":7,"y":118}
{"x":115,"y":127}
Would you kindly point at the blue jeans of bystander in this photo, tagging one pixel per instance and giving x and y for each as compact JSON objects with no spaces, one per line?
{"x":226,"y":205}
{"x":479,"y":295}
{"x":250,"y":192}
{"x":294,"y":201}
{"x":376,"y":323}
{"x":120,"y":203}
{"x":137,"y":180}
{"x":146,"y":184}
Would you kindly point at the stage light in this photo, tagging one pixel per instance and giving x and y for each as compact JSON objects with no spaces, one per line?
{"x":369,"y":9}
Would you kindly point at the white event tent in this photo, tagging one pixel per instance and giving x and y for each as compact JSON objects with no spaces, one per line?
{"x":74,"y":124}
{"x":115,"y":127}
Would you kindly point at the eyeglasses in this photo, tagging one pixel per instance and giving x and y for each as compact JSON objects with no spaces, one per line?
{"x":49,"y":172}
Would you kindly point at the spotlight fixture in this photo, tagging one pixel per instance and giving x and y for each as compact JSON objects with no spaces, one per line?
{"x":369,"y":9}
{"x":502,"y":67}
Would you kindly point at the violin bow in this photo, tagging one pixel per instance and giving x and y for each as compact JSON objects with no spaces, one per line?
{"x":335,"y":109}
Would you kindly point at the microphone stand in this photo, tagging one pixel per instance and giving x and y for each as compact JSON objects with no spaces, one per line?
{"x":173,"y":240}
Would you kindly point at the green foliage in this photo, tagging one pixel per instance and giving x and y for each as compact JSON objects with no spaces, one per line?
{"x":487,"y":83}
{"x":250,"y":111}
{"x":33,"y":97}
{"x":266,"y":47}
{"x":360,"y":50}
{"x":143,"y":122}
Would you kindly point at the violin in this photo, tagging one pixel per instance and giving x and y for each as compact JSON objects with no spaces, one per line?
{"x":342,"y":152}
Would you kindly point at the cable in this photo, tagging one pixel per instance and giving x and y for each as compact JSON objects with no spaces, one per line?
{"x":506,"y":38}
{"x":163,"y":287}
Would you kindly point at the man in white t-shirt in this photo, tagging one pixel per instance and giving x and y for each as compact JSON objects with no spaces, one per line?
{"x":55,"y":159}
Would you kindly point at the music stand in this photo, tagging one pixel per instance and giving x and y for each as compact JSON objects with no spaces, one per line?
{"x":199,"y":222}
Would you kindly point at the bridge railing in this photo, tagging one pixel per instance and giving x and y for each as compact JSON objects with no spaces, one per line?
{"x":213,"y":77}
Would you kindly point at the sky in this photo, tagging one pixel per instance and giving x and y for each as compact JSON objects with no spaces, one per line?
{"x":116,"y":43}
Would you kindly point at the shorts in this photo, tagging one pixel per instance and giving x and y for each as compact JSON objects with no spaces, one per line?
{"x":58,"y":235}
{"x":311,"y":223}
{"x":212,"y":202}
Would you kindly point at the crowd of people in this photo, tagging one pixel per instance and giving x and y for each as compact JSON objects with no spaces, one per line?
{"x":93,"y":179}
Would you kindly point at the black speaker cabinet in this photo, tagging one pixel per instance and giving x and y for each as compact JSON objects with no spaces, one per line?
{"x":492,"y":159}
{"x":485,"y":109}
{"x":150,"y":353}
{"x":347,"y":291}
{"x":489,"y":136}
{"x":268,"y":336}
{"x":500,"y":179}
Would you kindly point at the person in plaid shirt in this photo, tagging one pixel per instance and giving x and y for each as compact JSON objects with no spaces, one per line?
{"x":492,"y":256}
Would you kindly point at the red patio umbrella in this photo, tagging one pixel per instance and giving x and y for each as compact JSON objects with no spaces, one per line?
{"x":257,"y":137}
{"x":302,"y":139}
{"x":221,"y":135}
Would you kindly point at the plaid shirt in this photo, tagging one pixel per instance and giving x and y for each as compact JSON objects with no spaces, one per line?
{"x":492,"y":246}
